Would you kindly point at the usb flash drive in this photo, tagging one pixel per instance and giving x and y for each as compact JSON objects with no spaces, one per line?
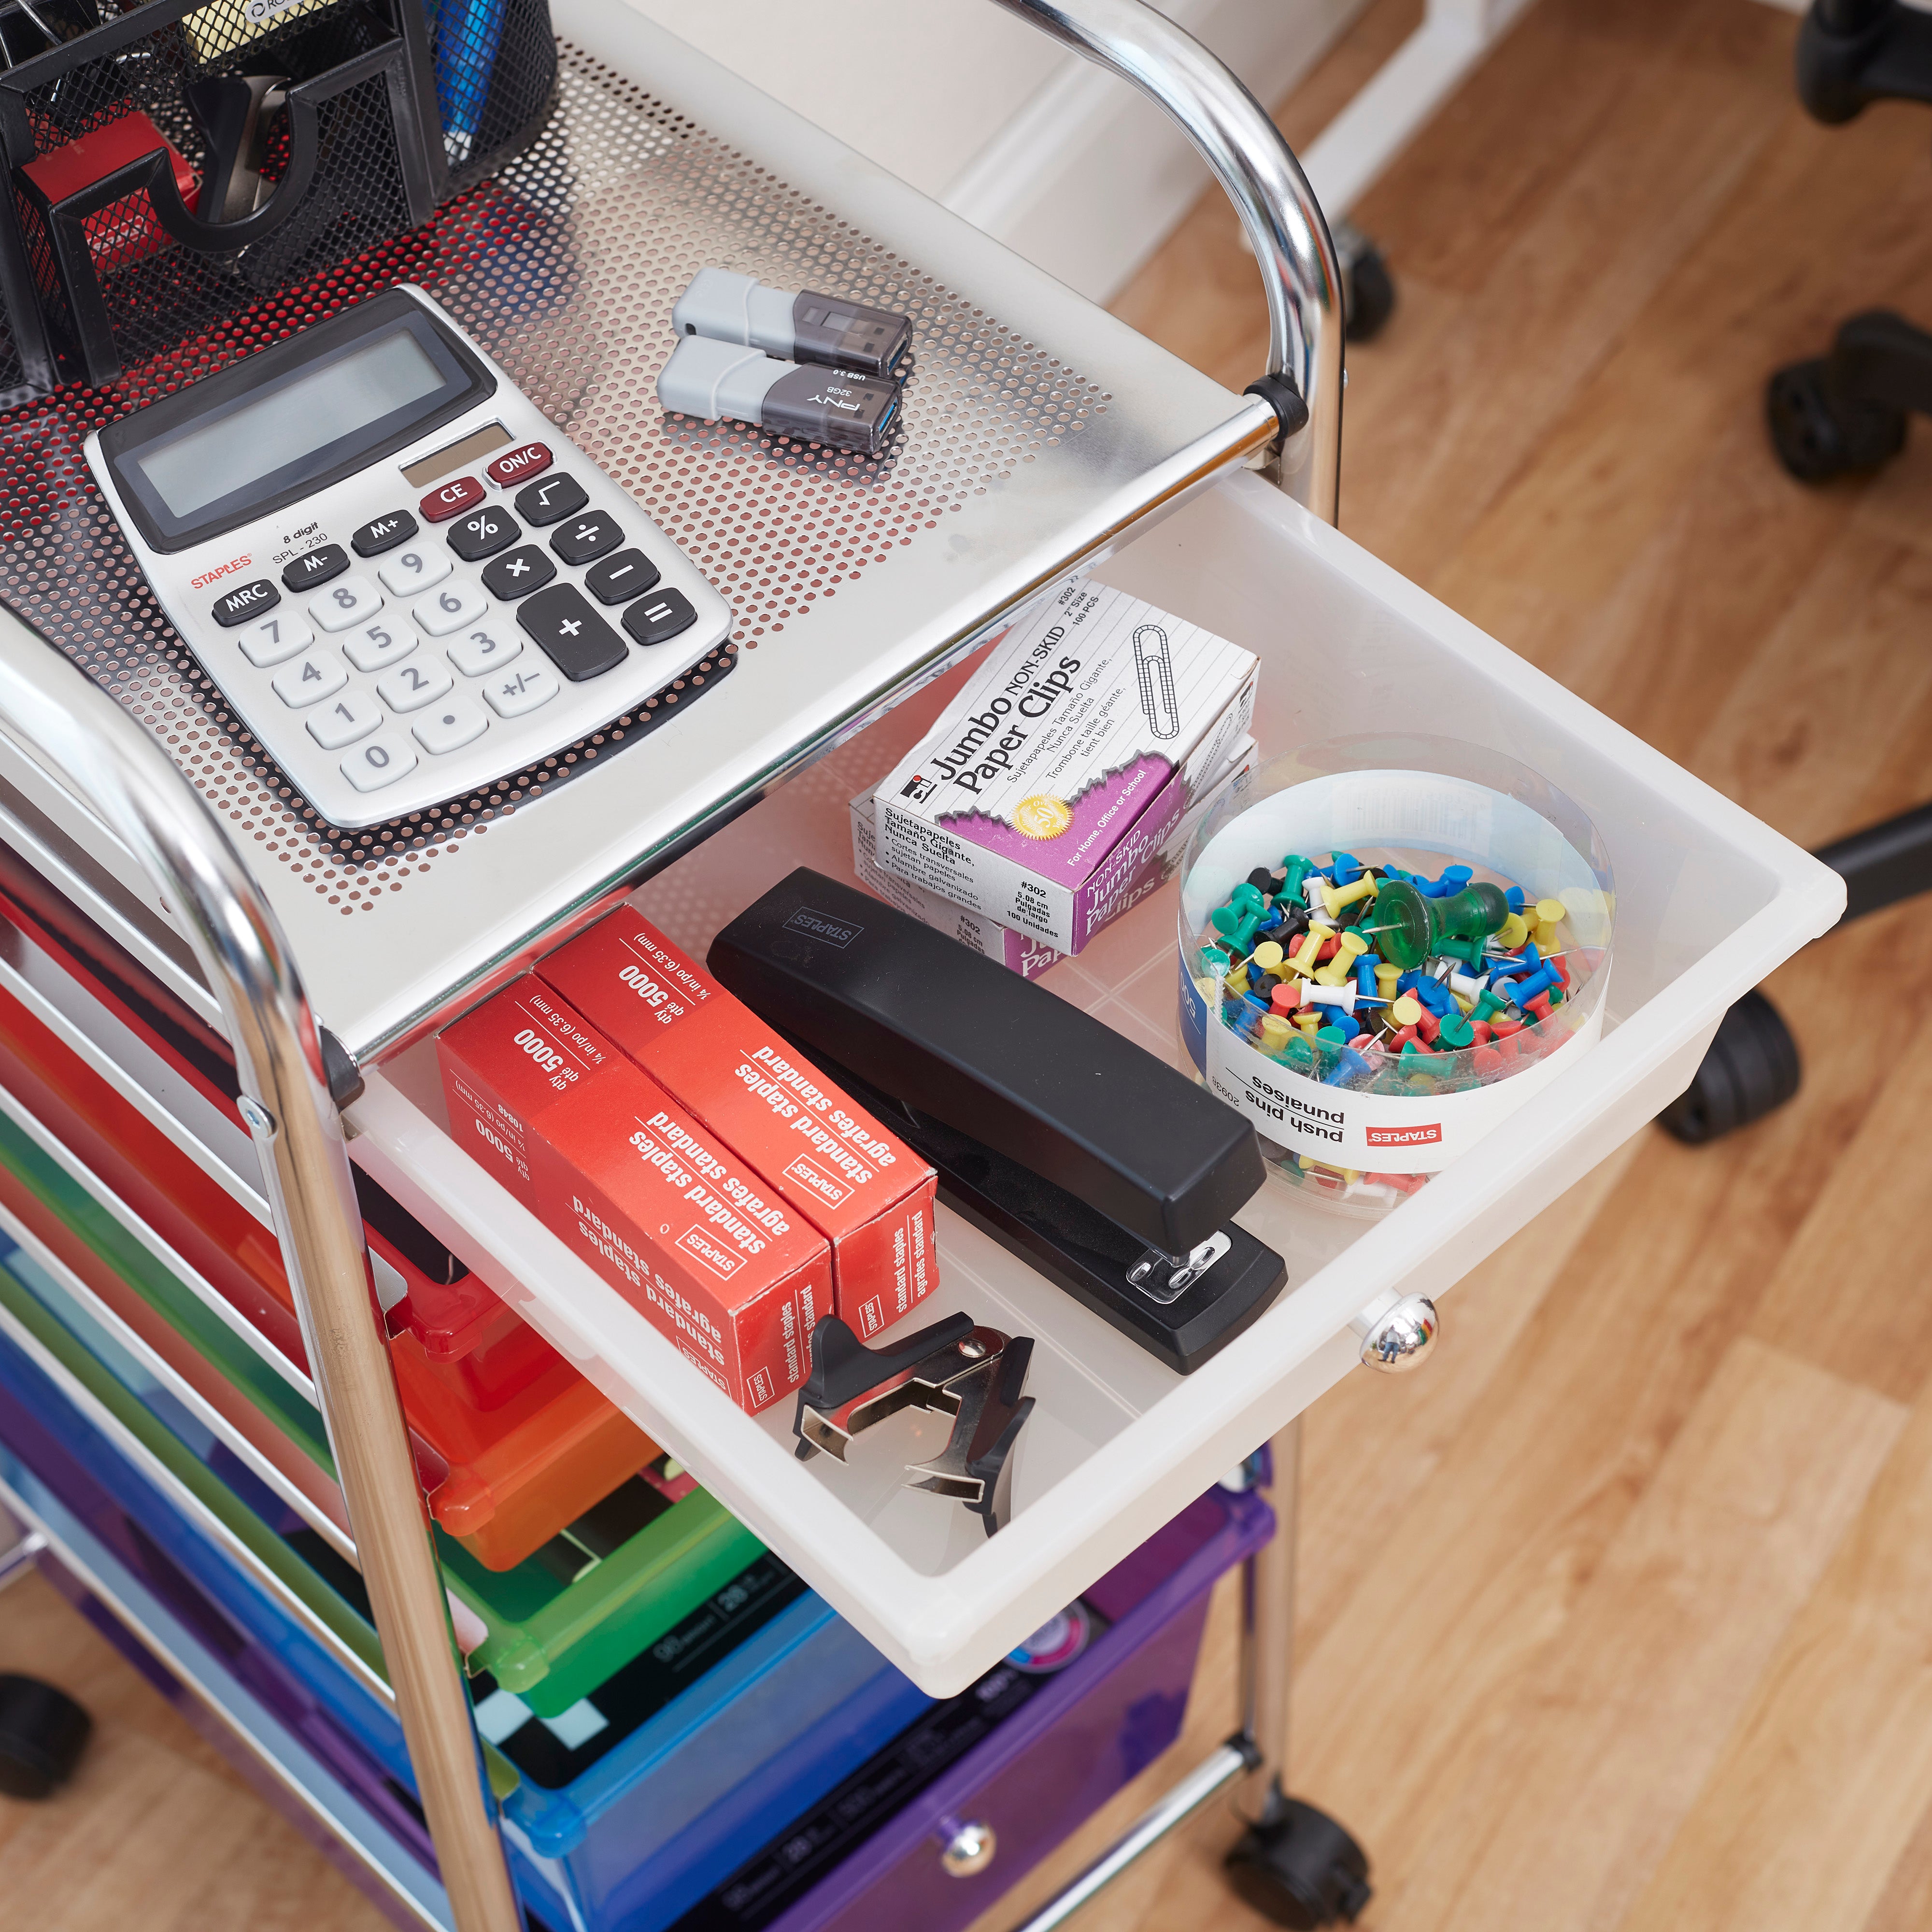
{"x":794,"y":327}
{"x":710,"y":379}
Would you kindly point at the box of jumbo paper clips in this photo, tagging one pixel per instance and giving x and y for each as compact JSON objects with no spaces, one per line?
{"x":1065,"y":762}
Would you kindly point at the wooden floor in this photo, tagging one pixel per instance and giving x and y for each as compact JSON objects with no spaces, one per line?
{"x":1620,"y":1616}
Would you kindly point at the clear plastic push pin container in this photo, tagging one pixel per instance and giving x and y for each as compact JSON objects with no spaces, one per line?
{"x":1387,"y":944}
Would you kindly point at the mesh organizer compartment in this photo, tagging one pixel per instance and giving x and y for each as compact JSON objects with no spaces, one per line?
{"x":768,"y":1700}
{"x":147,"y":206}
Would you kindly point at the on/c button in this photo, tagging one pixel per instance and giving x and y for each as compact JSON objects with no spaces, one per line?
{"x":451,"y":499}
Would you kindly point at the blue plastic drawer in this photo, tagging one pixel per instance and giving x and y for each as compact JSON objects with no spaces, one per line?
{"x":629,"y":1843}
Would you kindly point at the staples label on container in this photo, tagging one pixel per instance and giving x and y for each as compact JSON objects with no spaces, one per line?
{"x":653,"y":1200}
{"x":1065,"y":763}
{"x":837,"y":1168}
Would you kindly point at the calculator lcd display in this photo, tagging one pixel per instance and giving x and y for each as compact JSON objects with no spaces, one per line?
{"x":276,"y":427}
{"x":315,"y":411}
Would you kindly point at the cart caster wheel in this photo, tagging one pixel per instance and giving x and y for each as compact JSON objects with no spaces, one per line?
{"x":1368,"y":296}
{"x":1298,"y":1867}
{"x":42,"y":1732}
{"x":1814,"y":440}
{"x":1749,"y":1069}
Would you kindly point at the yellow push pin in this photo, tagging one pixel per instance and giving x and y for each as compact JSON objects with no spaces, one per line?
{"x":1341,"y":967}
{"x":1276,"y":1032}
{"x":1237,"y":979}
{"x":1302,"y":960}
{"x":1510,"y":935}
{"x":1387,"y":979}
{"x":1268,"y":956}
{"x":1308,"y":1022}
{"x":1337,"y":898}
{"x":1406,"y":1011}
{"x":1550,"y":911}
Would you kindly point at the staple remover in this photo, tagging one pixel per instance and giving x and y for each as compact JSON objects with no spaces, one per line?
{"x":975,"y":1375}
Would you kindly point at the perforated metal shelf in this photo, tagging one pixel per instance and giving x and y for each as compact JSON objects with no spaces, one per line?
{"x":1034,"y":430}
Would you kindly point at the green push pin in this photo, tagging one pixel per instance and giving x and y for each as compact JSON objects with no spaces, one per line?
{"x":1296,"y":868}
{"x":1469,"y":951}
{"x":1488,"y":1001}
{"x":1236,"y":921}
{"x":1412,"y":926}
{"x":1456,"y":1032}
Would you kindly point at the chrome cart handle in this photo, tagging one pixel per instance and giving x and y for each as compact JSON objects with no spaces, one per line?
{"x":83,"y":742}
{"x":1233,"y":133}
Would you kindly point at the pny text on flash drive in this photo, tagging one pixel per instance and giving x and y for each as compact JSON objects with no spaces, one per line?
{"x":832,"y":407}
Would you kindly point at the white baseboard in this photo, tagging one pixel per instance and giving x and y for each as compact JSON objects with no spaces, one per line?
{"x":1088,"y":177}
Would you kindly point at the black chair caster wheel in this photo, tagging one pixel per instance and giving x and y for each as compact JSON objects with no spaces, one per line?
{"x":43,"y":1732}
{"x":1749,"y":1069}
{"x":1298,"y":1867}
{"x":1817,"y":439}
{"x":1368,"y":295}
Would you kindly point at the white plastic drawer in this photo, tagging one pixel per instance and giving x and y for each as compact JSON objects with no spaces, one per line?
{"x":1709,"y":900}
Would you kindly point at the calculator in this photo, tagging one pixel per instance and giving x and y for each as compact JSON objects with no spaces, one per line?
{"x":405,"y":580}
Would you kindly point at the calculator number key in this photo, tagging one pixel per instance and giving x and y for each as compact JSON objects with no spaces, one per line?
{"x":415,"y":685}
{"x":381,"y":761}
{"x":550,"y":501}
{"x":583,"y":539}
{"x":620,"y":578}
{"x":274,"y":640}
{"x":517,"y":572}
{"x":377,"y":646}
{"x":417,"y":569}
{"x":354,"y":601}
{"x":449,"y":609}
{"x":384,"y":533}
{"x":318,"y":566}
{"x":310,"y":680}
{"x":483,"y":533}
{"x":450,"y":727}
{"x":353,"y":716}
{"x":521,"y":690}
{"x":481,"y":652}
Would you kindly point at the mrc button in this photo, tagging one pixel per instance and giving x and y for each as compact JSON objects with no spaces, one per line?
{"x":246,"y":600}
{"x":451,"y":499}
{"x":518,"y":465}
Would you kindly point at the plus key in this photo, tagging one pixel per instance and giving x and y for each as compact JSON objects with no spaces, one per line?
{"x":568,"y":630}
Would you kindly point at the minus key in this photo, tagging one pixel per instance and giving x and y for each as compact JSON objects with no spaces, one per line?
{"x":620,"y":578}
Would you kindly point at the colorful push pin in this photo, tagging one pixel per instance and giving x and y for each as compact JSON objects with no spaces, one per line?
{"x":1469,"y":952}
{"x":1345,"y":866}
{"x":1236,"y":981}
{"x":1366,"y":965}
{"x":1293,"y":869}
{"x":1276,"y":1032}
{"x":1488,"y":1003}
{"x":1455,"y":1032}
{"x":1550,"y":912}
{"x":1524,"y":990}
{"x":1308,"y":1020}
{"x":1348,"y":948}
{"x":1470,"y":985}
{"x":1268,"y":956}
{"x":1387,"y":978}
{"x":1237,"y":920}
{"x":1511,"y":933}
{"x":1339,"y":898}
{"x":1406,"y":1011}
{"x":1303,"y":959}
{"x":1514,"y":895}
{"x":1412,"y":927}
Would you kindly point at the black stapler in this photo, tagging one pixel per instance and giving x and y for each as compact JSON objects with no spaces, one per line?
{"x":1113,"y":1175}
{"x":977,"y":1376}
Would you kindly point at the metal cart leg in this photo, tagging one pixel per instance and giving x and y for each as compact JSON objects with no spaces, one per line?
{"x":87,"y":744}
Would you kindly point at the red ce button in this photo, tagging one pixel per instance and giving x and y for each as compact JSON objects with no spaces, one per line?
{"x":452,"y":499}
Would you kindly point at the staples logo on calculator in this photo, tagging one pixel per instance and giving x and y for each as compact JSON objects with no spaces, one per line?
{"x":448,"y":621}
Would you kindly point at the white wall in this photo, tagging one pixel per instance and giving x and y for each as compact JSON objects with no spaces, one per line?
{"x":979,"y":109}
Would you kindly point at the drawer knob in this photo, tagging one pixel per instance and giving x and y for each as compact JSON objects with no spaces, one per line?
{"x":969,"y":1850}
{"x":1402,"y":1337}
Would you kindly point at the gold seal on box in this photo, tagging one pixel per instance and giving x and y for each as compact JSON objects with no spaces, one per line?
{"x":1042,"y":816}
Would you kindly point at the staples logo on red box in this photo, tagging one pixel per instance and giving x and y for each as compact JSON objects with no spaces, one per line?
{"x":1427,"y":1135}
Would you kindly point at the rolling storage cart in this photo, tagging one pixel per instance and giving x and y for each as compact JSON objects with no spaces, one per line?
{"x":1038,"y":438}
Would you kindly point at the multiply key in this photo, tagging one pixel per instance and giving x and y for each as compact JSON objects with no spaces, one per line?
{"x":570,"y":633}
{"x":517,"y":572}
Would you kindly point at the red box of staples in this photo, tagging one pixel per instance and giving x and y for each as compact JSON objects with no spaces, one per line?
{"x":655,"y":1203}
{"x":867,"y":1192}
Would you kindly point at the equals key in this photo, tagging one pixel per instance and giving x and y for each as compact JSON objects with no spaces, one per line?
{"x":620,"y":578}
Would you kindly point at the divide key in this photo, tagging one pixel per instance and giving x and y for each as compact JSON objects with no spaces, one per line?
{"x":570,"y":632}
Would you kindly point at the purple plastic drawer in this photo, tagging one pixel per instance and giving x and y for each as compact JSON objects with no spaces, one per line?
{"x":1037,"y":1775}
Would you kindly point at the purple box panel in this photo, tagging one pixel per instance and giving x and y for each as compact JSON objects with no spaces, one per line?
{"x":1048,"y":1768}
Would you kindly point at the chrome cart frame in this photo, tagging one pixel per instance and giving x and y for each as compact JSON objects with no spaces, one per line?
{"x":85,"y":743}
